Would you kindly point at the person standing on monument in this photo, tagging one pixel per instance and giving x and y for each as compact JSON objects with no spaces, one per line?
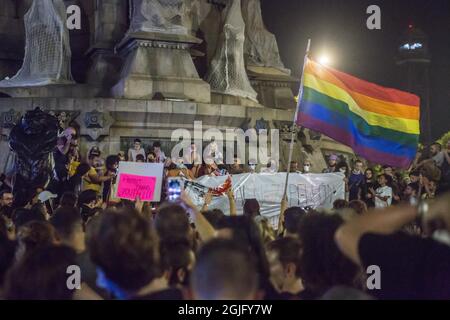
{"x":137,"y":149}
{"x":332,"y":161}
{"x":356,"y":181}
{"x":160,"y":156}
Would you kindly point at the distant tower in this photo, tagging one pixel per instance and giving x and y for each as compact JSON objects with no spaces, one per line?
{"x":414,"y":61}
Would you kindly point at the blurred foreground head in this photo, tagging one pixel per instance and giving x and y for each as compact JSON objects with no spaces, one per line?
{"x":125,"y":249}
{"x":322,"y":265}
{"x":41,"y":275}
{"x":224,"y":272}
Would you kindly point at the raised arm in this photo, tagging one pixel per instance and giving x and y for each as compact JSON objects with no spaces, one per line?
{"x":232,"y":201}
{"x":204,"y":228}
{"x":207,"y":201}
{"x":388,"y":221}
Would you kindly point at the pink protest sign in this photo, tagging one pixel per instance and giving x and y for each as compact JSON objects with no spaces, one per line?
{"x":130,"y":186}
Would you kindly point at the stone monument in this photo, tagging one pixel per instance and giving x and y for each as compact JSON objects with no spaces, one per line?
{"x":269,"y":77}
{"x":47,"y":47}
{"x":227,"y":74}
{"x":136,"y":77}
{"x":158,"y":64}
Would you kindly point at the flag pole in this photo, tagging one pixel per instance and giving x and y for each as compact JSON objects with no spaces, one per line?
{"x":291,"y":145}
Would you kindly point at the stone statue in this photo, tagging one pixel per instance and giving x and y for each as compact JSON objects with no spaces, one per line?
{"x":164,"y":16}
{"x":47,"y":47}
{"x":261,"y":48}
{"x":227,"y":72}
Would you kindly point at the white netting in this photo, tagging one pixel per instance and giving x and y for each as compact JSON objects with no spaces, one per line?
{"x":227,"y":72}
{"x":165,"y":16}
{"x":261,"y":46}
{"x":47,"y":47}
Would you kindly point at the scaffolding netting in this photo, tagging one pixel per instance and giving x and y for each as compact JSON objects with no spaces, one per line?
{"x":165,"y":16}
{"x":47,"y":47}
{"x":227,"y":73}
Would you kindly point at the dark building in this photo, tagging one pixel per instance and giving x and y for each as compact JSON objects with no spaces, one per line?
{"x":414,"y":59}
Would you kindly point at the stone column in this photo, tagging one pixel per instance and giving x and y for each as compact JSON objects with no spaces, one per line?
{"x":109,"y":26}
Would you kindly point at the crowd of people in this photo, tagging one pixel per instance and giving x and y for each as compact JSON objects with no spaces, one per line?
{"x":396,"y":220}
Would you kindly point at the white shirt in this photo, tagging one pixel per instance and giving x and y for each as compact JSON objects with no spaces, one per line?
{"x":439,"y":159}
{"x":161,"y":157}
{"x":133,"y":152}
{"x":385,"y":191}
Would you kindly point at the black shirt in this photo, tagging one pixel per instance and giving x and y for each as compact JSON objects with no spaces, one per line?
{"x":411,"y":267}
{"x":61,"y":163}
{"x":167,"y":294}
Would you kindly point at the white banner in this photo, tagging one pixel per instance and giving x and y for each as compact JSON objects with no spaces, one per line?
{"x":304,"y":190}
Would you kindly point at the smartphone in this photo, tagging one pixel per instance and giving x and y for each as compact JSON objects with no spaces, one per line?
{"x":174,"y":188}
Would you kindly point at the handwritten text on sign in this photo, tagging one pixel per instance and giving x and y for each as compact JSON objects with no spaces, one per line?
{"x":131,"y":185}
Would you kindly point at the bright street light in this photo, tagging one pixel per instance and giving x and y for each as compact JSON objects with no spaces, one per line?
{"x":324,"y":60}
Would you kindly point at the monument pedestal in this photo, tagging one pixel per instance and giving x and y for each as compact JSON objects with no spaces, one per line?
{"x":53,"y":90}
{"x":104,"y":68}
{"x":274,"y":87}
{"x":159,"y":66}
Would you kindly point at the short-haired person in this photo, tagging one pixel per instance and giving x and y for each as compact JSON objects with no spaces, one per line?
{"x":34,"y":235}
{"x":140,"y":158}
{"x":6,"y":203}
{"x":70,"y":232}
{"x":356,"y":181}
{"x":135,"y":150}
{"x":68,"y":199}
{"x":322,"y":265}
{"x":383,"y":195}
{"x":332,"y":162}
{"x":284,"y":254}
{"x":358,"y":206}
{"x":160,"y":156}
{"x":211,"y":278}
{"x":339,"y":204}
{"x":126,"y":251}
{"x":177,"y":260}
{"x":22,"y":216}
{"x":41,"y":275}
{"x":294,"y":167}
{"x":88,"y":204}
{"x":292,"y":218}
{"x":411,"y":193}
{"x":172,"y":224}
{"x":69,"y":228}
{"x":369,"y":182}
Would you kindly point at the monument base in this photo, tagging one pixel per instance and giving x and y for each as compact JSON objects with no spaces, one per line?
{"x":104,"y":69}
{"x":274,"y":87}
{"x":159,"y":67}
{"x":220,"y":98}
{"x":57,"y":90}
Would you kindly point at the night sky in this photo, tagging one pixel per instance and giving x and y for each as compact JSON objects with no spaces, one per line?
{"x":339,"y":28}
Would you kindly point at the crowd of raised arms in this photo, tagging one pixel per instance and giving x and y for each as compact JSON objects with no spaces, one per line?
{"x":396,"y":222}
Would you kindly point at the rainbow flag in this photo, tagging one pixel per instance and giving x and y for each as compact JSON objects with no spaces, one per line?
{"x":379,"y":124}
